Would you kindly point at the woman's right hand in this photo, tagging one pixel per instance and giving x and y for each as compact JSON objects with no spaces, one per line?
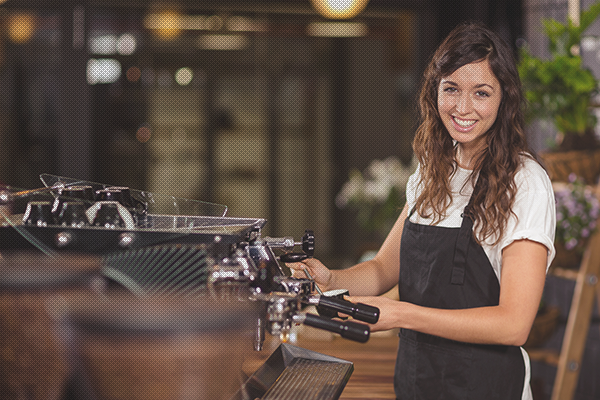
{"x":319,"y":272}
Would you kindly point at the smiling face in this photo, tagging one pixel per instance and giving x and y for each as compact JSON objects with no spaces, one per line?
{"x":468,"y":102}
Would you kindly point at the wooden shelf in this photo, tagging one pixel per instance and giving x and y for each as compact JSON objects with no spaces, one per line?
{"x":547,"y":356}
{"x":568,"y":361}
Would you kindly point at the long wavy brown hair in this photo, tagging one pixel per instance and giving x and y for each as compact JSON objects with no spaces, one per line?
{"x":498,"y":162}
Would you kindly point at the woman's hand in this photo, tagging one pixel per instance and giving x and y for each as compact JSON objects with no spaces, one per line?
{"x":319,"y":272}
{"x":389,"y":310}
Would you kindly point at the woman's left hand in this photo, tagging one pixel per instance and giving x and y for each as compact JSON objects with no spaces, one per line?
{"x":388,"y":310}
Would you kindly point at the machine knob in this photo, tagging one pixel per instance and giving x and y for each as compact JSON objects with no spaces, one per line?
{"x":308,"y":243}
{"x":308,"y":249}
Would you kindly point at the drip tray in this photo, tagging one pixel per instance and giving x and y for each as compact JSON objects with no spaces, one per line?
{"x":293,"y":373}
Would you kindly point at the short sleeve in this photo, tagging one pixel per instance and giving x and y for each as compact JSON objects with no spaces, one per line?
{"x":411,"y":187}
{"x":534,"y":209}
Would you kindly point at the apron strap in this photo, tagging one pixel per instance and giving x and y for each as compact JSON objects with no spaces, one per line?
{"x":461,"y":250}
{"x":463,"y":241}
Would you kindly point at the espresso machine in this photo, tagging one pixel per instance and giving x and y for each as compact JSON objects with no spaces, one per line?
{"x":152,"y":245}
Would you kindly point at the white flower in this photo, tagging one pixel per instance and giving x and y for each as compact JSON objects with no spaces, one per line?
{"x":377,"y":191}
{"x":351,"y":190}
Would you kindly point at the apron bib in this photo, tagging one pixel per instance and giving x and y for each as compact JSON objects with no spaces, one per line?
{"x":446,"y":268}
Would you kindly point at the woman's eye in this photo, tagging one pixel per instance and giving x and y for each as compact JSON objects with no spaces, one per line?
{"x":483,"y":94}
{"x":450,"y":89}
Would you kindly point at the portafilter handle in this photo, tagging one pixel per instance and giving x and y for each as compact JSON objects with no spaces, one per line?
{"x":346,"y":329}
{"x":359,"y":311}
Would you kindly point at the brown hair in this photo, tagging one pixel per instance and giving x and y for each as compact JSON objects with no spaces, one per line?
{"x":498,"y":162}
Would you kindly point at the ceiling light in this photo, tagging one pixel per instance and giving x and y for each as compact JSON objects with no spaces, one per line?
{"x":165,"y":24}
{"x":21,"y":27}
{"x":339,"y":9}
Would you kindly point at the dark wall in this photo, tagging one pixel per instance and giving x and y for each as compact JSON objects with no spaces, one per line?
{"x":504,"y":16}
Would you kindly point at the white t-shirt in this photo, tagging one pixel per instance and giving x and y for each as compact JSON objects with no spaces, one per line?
{"x":534,"y":207}
{"x":535,"y":219}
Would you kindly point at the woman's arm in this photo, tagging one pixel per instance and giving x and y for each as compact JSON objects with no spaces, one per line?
{"x":509,"y":323}
{"x":369,"y":278}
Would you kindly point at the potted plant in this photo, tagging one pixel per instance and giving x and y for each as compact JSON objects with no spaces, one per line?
{"x":561,"y":89}
{"x":577,"y":212}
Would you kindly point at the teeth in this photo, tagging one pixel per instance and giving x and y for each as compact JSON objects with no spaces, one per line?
{"x":464,"y":124}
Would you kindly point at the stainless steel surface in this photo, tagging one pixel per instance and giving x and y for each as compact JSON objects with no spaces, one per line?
{"x":180,"y":270}
{"x":309,"y":380}
{"x":292,"y":372}
{"x":147,"y":219}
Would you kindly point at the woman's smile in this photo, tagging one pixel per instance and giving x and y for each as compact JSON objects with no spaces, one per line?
{"x":464,"y":124}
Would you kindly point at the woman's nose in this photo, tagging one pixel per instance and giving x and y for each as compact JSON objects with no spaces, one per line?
{"x":464,"y":104}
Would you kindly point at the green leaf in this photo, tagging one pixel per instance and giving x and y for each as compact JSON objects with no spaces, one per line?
{"x":588,"y":16}
{"x":560,"y":88}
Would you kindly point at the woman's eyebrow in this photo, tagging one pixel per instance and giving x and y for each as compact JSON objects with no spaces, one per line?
{"x":444,"y":82}
{"x":448,"y":82}
{"x":483,"y":85}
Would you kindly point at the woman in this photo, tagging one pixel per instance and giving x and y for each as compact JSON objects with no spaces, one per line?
{"x":475,"y":238}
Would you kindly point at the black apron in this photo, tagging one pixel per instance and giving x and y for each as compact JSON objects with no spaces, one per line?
{"x":446,"y":268}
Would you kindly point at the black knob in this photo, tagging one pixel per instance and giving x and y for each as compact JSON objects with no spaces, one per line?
{"x":308,"y":243}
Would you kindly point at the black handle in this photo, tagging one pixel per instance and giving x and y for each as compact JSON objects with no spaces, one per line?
{"x":359,"y":311}
{"x":293,"y":257}
{"x":347,"y":329}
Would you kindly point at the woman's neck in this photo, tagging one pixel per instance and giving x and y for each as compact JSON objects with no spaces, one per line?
{"x":467,"y":157}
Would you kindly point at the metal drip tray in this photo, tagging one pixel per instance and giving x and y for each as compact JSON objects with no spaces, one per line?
{"x":293,"y":373}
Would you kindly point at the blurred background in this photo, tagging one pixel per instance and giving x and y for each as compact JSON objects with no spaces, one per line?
{"x":274,"y":108}
{"x":266,"y":106}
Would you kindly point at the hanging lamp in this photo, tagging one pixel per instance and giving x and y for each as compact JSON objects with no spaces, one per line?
{"x":339,"y":9}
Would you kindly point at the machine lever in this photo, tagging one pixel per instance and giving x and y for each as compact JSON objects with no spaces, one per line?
{"x":359,"y":311}
{"x":347,"y":329}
